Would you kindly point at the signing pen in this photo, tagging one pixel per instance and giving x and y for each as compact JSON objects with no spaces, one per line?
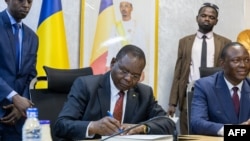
{"x":110,"y":115}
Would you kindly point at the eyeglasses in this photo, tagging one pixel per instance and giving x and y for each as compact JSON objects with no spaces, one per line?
{"x":125,"y":72}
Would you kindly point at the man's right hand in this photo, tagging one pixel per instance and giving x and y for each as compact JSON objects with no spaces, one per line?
{"x":246,"y":122}
{"x":171,"y":110}
{"x":21,"y":103}
{"x":105,"y":126}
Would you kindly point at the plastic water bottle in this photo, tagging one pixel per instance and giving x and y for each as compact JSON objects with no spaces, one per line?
{"x":31,"y":128}
{"x":45,"y":130}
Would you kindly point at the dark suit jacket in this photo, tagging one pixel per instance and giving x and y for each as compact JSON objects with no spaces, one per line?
{"x":182,"y":67}
{"x":89,"y":100}
{"x":9,"y":79}
{"x":212,"y":105}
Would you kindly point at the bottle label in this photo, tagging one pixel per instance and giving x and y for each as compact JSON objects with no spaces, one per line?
{"x":33,"y":135}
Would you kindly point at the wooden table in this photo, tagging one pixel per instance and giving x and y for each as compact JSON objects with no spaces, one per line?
{"x":199,"y":138}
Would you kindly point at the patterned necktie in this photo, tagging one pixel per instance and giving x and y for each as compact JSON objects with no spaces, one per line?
{"x":236,"y":100}
{"x":118,"y":107}
{"x":204,"y":52}
{"x":17,"y":45}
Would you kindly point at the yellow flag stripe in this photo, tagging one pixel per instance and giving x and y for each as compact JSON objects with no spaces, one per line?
{"x":52,"y":44}
{"x":104,"y":25}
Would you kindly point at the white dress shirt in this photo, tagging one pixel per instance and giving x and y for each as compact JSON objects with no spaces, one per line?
{"x":196,"y":54}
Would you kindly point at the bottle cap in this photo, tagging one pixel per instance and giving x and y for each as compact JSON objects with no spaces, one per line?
{"x":44,"y":121}
{"x":32,"y":112}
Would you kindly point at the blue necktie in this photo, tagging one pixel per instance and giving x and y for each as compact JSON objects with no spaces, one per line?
{"x":17,"y":44}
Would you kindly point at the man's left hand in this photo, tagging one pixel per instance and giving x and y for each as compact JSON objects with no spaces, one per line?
{"x":12,"y":117}
{"x":136,"y":130}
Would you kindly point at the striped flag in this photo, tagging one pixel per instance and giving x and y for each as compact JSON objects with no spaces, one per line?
{"x":106,"y":20}
{"x":52,"y":50}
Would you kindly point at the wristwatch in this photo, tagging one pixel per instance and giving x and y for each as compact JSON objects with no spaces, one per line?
{"x":146,"y":129}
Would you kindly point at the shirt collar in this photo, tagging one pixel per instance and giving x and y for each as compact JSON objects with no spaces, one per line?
{"x":12,"y":20}
{"x":209,"y":34}
{"x":230,"y":86}
{"x":114,"y":90}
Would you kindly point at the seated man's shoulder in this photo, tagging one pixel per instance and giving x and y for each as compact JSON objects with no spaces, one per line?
{"x":91,"y":78}
{"x":209,"y":80}
{"x":143,"y":87}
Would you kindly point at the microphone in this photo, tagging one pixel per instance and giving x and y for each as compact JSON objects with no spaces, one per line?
{"x":172,"y":124}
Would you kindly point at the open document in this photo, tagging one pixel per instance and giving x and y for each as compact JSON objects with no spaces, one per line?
{"x":140,"y":138}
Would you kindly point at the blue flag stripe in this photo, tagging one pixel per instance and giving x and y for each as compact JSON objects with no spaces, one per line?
{"x":49,"y":8}
{"x":105,"y":4}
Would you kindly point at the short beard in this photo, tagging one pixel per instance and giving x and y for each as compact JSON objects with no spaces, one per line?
{"x":205,"y":28}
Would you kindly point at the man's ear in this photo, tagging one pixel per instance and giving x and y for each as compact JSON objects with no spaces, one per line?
{"x":216,"y":22}
{"x":222,"y":62}
{"x":112,"y":62}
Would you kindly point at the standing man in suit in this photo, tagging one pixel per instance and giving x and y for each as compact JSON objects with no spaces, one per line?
{"x":17,"y":68}
{"x":189,"y":59}
{"x":84,"y":115}
{"x":223,"y":98}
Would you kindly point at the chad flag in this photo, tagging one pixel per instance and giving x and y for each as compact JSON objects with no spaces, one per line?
{"x":106,"y":20}
{"x":52,"y":50}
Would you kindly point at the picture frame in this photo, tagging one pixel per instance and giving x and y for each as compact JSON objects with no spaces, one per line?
{"x":98,"y":20}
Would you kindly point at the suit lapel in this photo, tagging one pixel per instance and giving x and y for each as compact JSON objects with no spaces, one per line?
{"x":189,"y":46}
{"x":224,"y":98}
{"x":217,"y":48}
{"x":244,"y":102}
{"x":25,"y":45}
{"x":132,"y":98}
{"x":104,"y":94}
{"x":8,"y":29}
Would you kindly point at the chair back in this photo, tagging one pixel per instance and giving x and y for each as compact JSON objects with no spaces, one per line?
{"x":206,"y":71}
{"x":49,"y":101}
{"x":61,"y":80}
{"x":189,"y":96}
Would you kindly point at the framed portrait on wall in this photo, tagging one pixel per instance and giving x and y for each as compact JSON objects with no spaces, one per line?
{"x":108,"y":25}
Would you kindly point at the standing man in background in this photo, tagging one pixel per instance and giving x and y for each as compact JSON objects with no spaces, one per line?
{"x":189,"y":59}
{"x":126,"y":31}
{"x":18,"y":51}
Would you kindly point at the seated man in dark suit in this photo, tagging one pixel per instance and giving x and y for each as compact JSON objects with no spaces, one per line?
{"x":84,"y":115}
{"x":223,"y":98}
